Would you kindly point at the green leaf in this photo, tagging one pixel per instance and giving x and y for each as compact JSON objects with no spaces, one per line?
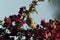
{"x":1,"y":22}
{"x":40,"y":0}
{"x":49,"y":0}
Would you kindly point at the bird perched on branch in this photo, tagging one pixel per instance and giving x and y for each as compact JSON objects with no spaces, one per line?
{"x":30,"y":22}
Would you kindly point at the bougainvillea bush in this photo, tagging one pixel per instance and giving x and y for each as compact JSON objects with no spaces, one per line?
{"x":13,"y":26}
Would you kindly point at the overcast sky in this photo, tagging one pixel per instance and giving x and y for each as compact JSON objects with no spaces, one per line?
{"x":10,"y":7}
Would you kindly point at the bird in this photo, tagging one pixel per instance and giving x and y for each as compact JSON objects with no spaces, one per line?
{"x":30,"y":22}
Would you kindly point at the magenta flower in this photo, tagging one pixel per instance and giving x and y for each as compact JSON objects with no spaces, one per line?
{"x":37,"y":26}
{"x":19,"y":15}
{"x":22,"y":9}
{"x":51,"y":21}
{"x":7,"y":22}
{"x":43,"y":22}
{"x":13,"y":17}
{"x":1,"y":37}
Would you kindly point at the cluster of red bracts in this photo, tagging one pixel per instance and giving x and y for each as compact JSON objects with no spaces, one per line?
{"x":46,"y":30}
{"x":14,"y":18}
{"x":50,"y":30}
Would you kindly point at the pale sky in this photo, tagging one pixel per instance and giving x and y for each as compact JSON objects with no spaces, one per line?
{"x":11,"y":7}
